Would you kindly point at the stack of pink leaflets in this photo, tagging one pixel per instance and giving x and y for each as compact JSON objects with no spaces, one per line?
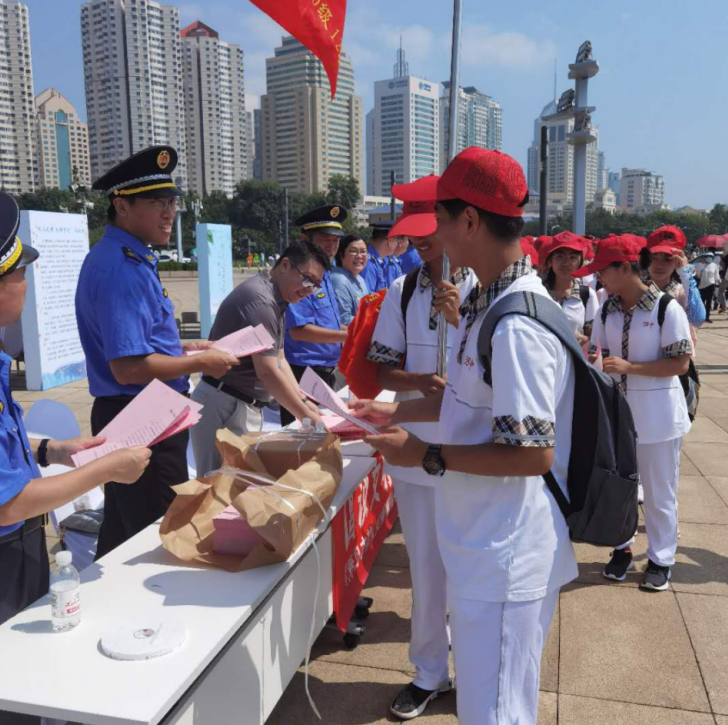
{"x":248,"y":341}
{"x":154,"y":415}
{"x":342,"y":428}
{"x":233,"y":534}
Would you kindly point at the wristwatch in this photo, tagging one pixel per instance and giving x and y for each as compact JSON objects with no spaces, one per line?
{"x":433,"y":462}
{"x":43,"y":453}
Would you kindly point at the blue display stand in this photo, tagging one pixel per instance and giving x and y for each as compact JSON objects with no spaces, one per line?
{"x":215,"y":265}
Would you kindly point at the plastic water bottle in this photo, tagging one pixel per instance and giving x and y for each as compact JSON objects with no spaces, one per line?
{"x":65,"y":593}
{"x":306,"y":427}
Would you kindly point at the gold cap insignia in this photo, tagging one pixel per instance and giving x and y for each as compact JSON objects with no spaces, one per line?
{"x":335,"y":212}
{"x":163,"y":159}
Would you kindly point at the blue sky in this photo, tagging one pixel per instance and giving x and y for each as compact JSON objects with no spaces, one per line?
{"x":661,"y":95}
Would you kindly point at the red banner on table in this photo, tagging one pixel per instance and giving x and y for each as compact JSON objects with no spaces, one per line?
{"x":359,"y":531}
{"x":318,"y":24}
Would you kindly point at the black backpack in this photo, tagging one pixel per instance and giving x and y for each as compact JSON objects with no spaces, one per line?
{"x":408,"y":289}
{"x":690,"y":380}
{"x":602,"y":477}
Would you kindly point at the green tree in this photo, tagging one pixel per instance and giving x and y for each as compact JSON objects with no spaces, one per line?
{"x":718,"y":217}
{"x":343,"y":190}
{"x":215,"y":208}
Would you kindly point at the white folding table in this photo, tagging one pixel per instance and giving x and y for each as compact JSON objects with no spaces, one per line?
{"x":247,"y":635}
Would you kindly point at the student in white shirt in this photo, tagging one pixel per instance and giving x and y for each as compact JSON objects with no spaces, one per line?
{"x":562,"y":257}
{"x":708,"y":278}
{"x":646,"y":360}
{"x":407,"y":357}
{"x":503,"y":540}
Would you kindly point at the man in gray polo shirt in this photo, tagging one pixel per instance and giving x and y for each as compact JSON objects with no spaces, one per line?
{"x":235,"y":401}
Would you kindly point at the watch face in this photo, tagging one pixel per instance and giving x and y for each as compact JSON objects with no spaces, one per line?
{"x":433,"y":463}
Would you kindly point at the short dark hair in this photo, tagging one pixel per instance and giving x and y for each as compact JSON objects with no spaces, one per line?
{"x":111,"y":211}
{"x":635,"y":267}
{"x":345,"y":242}
{"x":304,"y":251}
{"x":503,"y":228}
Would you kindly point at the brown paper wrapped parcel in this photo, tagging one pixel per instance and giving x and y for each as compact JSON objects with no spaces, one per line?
{"x":314,"y":465}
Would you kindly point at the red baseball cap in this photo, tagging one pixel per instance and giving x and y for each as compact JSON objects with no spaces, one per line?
{"x":529,"y":250}
{"x":416,"y":220}
{"x":564,"y":240}
{"x":622,"y":248}
{"x":486,"y":179}
{"x":541,"y":240}
{"x":665,"y":239}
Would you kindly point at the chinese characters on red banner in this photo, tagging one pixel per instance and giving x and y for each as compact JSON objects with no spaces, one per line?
{"x":318,"y":24}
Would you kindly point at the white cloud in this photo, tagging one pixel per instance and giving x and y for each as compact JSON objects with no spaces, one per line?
{"x":507,"y":49}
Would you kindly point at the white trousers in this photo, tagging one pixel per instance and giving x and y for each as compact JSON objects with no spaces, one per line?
{"x":429,"y":641}
{"x":659,"y":469}
{"x":221,"y":411}
{"x":497,"y":648}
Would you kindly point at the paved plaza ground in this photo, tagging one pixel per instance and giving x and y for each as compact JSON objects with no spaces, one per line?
{"x":615,"y":655}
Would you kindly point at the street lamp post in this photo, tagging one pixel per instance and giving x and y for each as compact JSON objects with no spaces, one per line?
{"x":573,"y":104}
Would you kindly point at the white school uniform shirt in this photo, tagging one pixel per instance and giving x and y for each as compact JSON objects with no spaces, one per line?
{"x":658,"y":404}
{"x":504,"y":539}
{"x":419,"y":350}
{"x":590,"y":280}
{"x":580,"y":317}
{"x":709,"y":274}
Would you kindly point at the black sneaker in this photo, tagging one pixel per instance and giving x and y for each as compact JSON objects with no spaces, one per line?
{"x":656,"y":577}
{"x":620,"y":564}
{"x":412,"y":701}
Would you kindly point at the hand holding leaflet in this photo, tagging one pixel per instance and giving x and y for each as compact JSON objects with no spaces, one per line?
{"x":157,"y":413}
{"x":242,"y":343}
{"x":316,"y":389}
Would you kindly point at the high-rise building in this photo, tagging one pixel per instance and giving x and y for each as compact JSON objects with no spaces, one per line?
{"x":614,"y":182}
{"x":250,"y":130}
{"x":641,"y":189}
{"x":133,"y":71}
{"x":18,"y":165}
{"x":480,"y":121}
{"x":258,"y":162}
{"x":560,"y":160}
{"x":369,"y":128}
{"x":62,"y":142}
{"x":216,"y":122}
{"x":602,"y":172}
{"x":404,"y":134}
{"x":306,"y":137}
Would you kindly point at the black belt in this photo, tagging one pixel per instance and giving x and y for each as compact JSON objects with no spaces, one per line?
{"x":234,"y":392}
{"x":28,"y":528}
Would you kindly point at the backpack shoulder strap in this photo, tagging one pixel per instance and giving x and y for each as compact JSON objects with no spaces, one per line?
{"x":408,"y":289}
{"x":584,"y":294}
{"x":528,"y":304}
{"x":662,"y":307}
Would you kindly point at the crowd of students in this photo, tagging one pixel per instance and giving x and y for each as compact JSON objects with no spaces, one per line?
{"x":489,"y":548}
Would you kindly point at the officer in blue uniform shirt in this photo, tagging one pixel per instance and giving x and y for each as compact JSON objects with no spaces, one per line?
{"x":128,"y":331}
{"x":383,"y":266}
{"x":314,"y":333}
{"x":408,"y":259}
{"x":24,"y":496}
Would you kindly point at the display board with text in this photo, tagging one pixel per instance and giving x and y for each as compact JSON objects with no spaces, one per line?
{"x":51,"y":344}
{"x":215,"y":270}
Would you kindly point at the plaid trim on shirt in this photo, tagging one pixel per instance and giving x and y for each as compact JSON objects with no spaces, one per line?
{"x":678,"y":349}
{"x":530,"y":432}
{"x":672,"y":287}
{"x":379,"y":353}
{"x":614,"y":304}
{"x":480,"y":299}
{"x":573,"y":294}
{"x":458,"y":279}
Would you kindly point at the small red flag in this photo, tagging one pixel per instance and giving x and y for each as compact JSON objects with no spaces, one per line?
{"x":318,"y":24}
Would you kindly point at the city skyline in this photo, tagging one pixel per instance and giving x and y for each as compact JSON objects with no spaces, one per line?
{"x":509,"y":57}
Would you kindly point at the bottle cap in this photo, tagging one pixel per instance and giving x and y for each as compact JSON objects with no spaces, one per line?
{"x":64,"y":558}
{"x":320,"y":427}
{"x":306,"y":423}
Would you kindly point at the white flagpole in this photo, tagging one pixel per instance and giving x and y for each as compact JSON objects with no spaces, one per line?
{"x":451,"y":153}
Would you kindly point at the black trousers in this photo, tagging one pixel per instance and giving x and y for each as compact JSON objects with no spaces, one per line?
{"x":130,"y":508}
{"x":24,"y":569}
{"x":707,"y":297}
{"x":328,"y":375}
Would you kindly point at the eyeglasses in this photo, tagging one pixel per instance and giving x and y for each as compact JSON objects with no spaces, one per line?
{"x":306,"y":280}
{"x":357,"y":252}
{"x":165,"y":203}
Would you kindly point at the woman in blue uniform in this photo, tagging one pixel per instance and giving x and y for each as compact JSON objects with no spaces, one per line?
{"x":24,"y":497}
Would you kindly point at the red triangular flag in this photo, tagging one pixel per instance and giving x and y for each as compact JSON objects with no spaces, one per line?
{"x":318,"y":24}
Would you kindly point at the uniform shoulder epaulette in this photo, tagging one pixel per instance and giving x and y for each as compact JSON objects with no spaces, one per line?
{"x":131,"y":254}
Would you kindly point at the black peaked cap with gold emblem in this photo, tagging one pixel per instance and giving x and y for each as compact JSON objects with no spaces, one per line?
{"x":13,"y":253}
{"x":327,"y":219}
{"x":146,"y":174}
